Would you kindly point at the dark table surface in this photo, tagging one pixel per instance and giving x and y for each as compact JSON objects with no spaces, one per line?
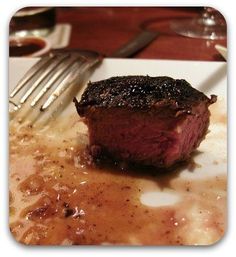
{"x":106,"y":29}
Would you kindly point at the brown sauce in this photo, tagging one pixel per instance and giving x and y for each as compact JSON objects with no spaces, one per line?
{"x":25,"y":47}
{"x":59,"y":197}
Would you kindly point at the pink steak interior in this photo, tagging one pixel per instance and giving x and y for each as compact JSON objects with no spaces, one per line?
{"x":156,"y":138}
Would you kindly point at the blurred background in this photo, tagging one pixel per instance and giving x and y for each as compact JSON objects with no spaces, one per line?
{"x":179,"y":33}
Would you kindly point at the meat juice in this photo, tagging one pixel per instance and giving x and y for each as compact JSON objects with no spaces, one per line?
{"x":59,"y":196}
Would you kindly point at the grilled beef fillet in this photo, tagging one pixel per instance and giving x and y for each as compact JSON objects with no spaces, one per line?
{"x":146,"y":120}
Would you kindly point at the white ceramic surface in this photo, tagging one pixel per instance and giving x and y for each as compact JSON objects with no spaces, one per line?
{"x":211,"y":160}
{"x":209,"y":77}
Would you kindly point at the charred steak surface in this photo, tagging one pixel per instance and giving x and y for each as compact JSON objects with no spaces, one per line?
{"x":154,"y":121}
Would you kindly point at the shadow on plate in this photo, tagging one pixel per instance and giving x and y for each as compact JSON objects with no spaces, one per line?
{"x":161,"y":176}
{"x":215,"y":78}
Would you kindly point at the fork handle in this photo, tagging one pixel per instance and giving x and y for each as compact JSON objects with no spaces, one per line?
{"x":136,"y":44}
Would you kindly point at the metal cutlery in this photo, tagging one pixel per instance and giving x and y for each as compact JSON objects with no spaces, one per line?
{"x":52,"y":75}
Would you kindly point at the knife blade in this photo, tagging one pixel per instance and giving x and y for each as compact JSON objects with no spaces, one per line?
{"x":136,"y":44}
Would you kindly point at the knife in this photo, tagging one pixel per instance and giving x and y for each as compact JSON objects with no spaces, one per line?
{"x":136,"y":44}
{"x":222,"y":50}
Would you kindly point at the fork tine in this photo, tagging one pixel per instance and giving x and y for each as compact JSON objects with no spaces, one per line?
{"x":31,"y":73}
{"x":61,"y":71}
{"x":61,"y":87}
{"x":69,"y":80}
{"x":43,"y":75}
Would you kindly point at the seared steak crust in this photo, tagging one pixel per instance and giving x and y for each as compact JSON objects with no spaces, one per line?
{"x":141,"y":92}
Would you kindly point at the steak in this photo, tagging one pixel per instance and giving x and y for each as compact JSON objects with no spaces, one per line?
{"x":155,"y":121}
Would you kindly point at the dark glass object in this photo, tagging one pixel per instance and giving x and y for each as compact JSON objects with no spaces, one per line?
{"x":36,"y":21}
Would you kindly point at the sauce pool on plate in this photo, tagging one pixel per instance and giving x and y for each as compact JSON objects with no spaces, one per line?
{"x":59,"y":197}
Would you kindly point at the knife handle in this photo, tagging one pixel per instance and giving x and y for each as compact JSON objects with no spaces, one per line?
{"x":136,"y":44}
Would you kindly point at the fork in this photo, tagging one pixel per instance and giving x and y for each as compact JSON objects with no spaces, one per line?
{"x":55,"y":74}
{"x":63,"y":70}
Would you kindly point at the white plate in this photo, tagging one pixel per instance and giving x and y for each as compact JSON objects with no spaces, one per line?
{"x":209,"y":77}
